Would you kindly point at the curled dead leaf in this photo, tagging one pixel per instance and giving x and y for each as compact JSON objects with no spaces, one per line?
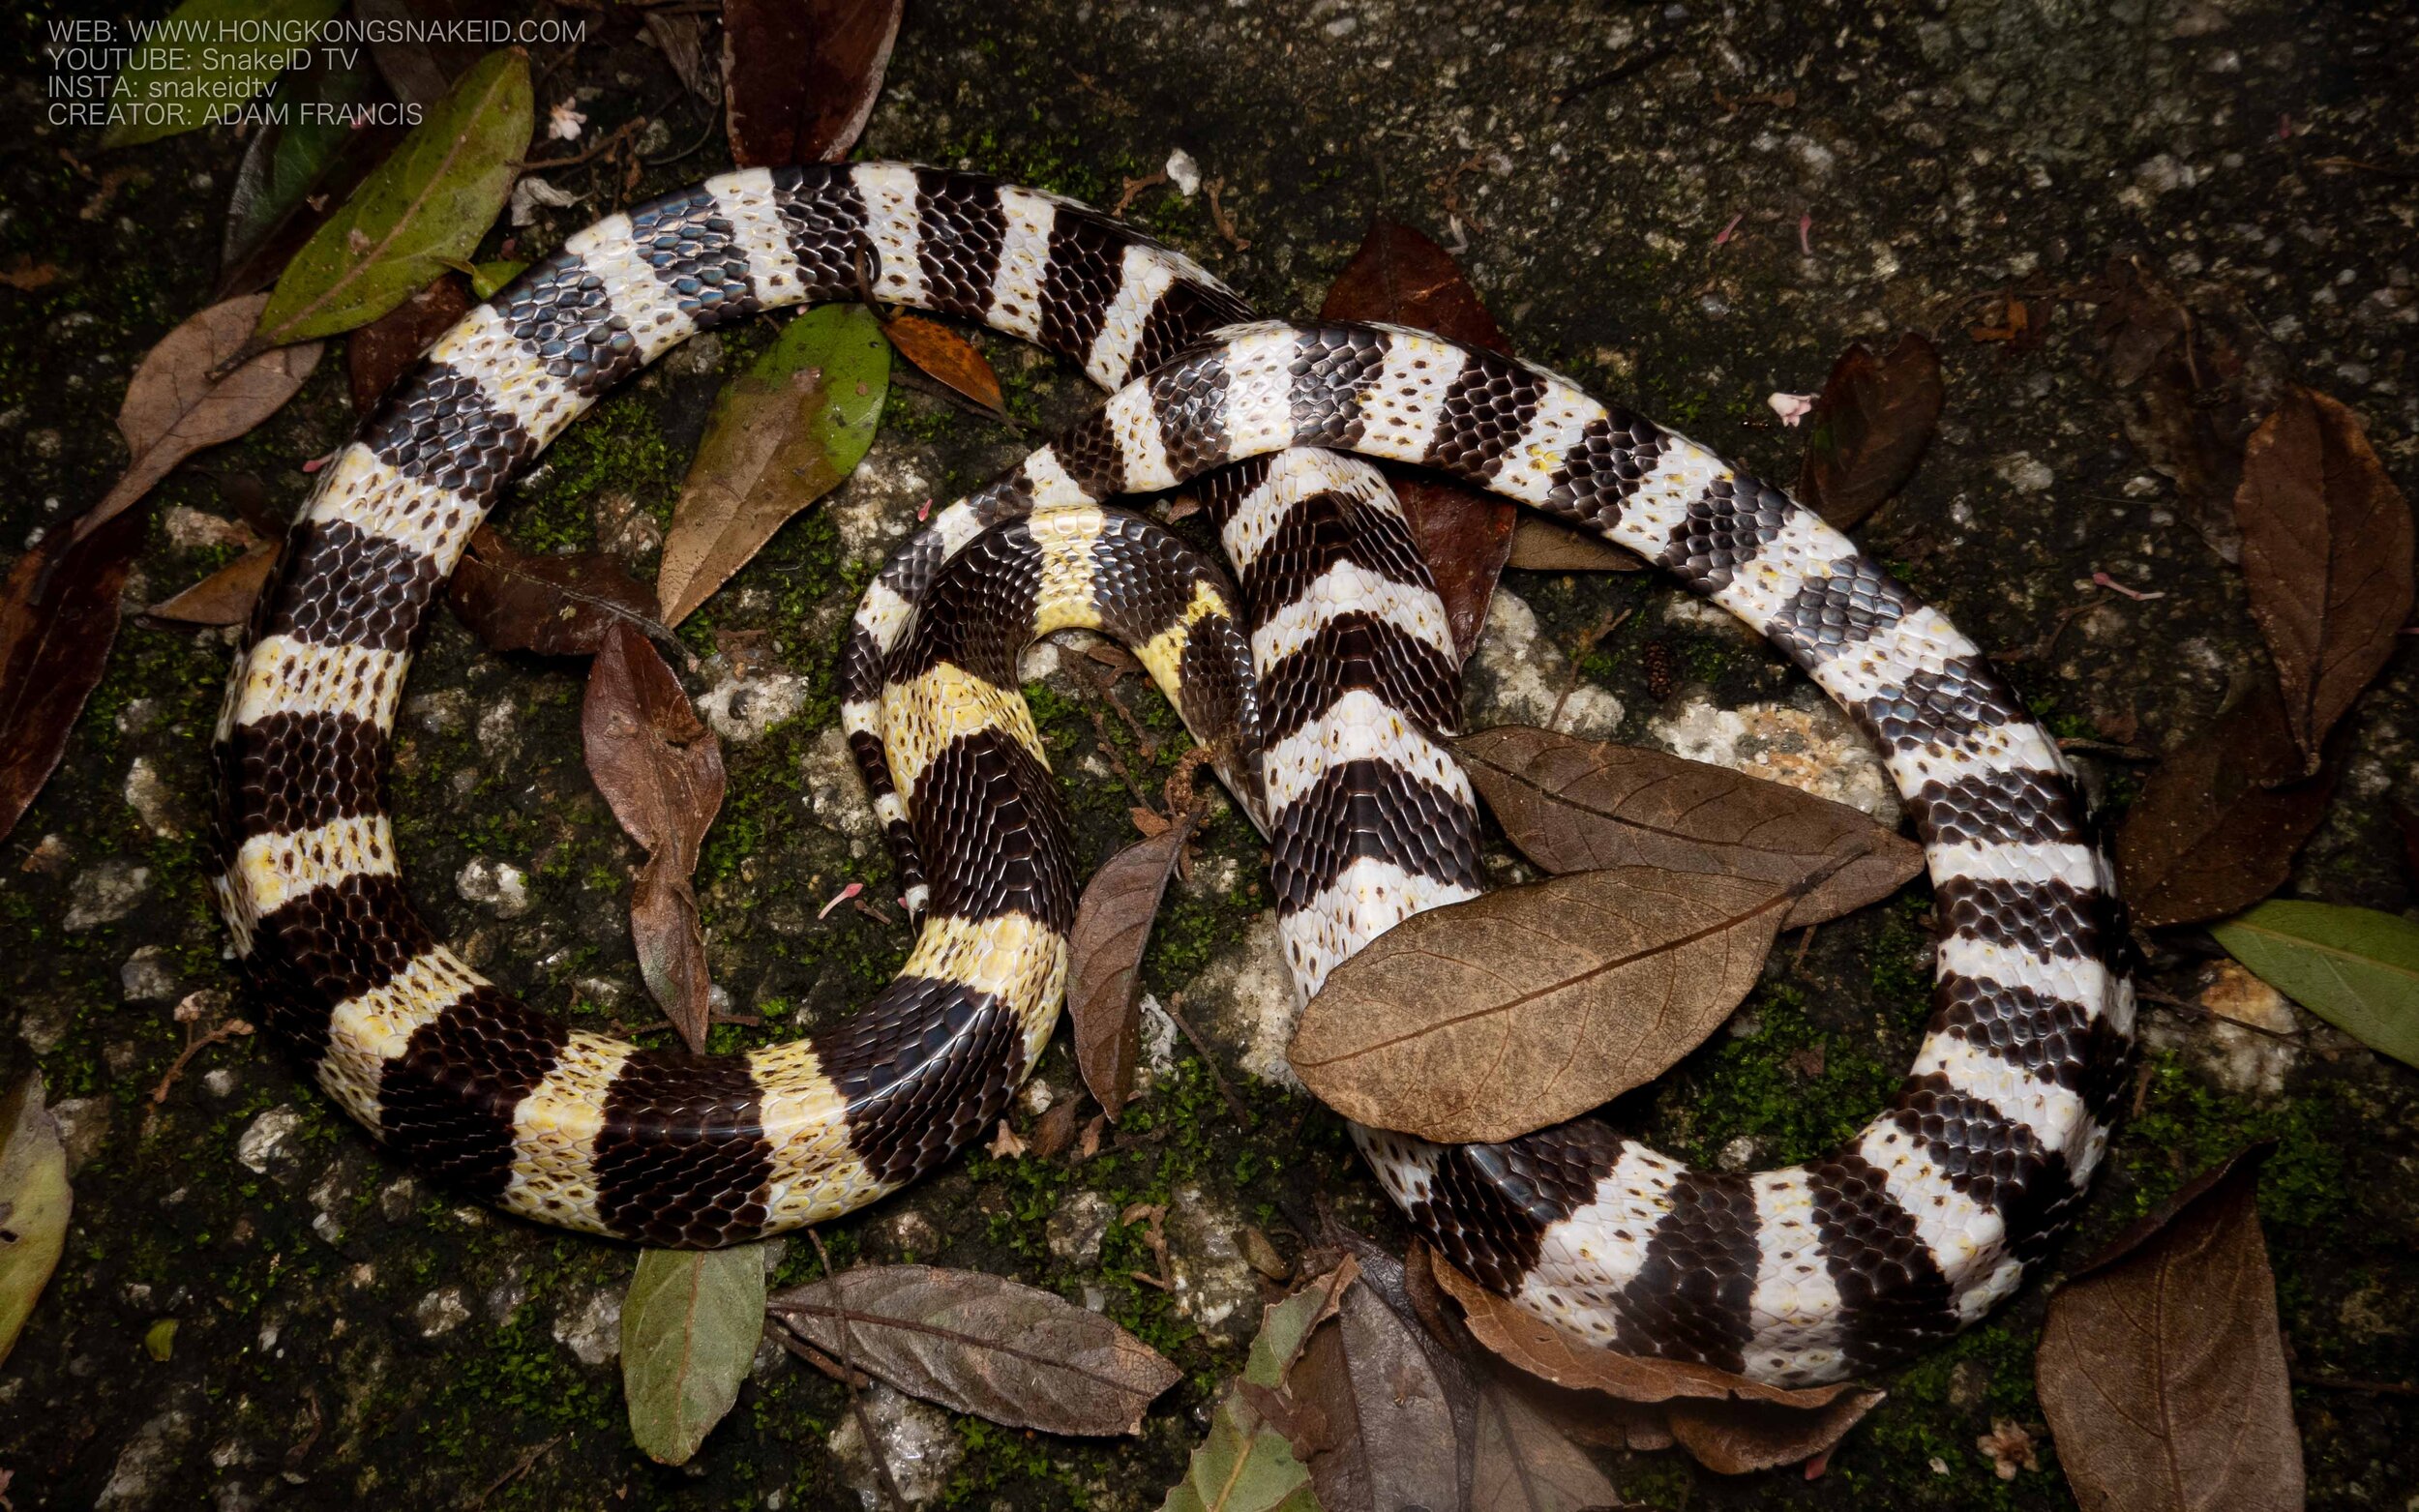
{"x":58,"y":618}
{"x":1542,"y":546}
{"x":1575,"y":805}
{"x":1105,"y":958}
{"x":800,"y":77}
{"x":2176,"y":1322}
{"x":981,"y":1344}
{"x":941,"y":353}
{"x":224,"y":598}
{"x":1868,"y":430}
{"x":661,"y":771}
{"x":1571,"y":990}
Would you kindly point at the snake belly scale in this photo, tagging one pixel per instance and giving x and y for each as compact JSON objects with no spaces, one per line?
{"x":1326,"y":691}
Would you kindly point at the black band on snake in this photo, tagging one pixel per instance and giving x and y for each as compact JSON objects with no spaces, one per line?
{"x":1327,"y":694}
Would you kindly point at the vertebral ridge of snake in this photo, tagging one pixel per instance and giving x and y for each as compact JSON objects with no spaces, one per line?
{"x":1329,"y":720}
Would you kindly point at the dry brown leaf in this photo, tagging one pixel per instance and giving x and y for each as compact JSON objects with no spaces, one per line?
{"x":58,"y":617}
{"x":1524,"y":1464}
{"x":1402,"y":277}
{"x":1540,"y":545}
{"x":1491,"y":1018}
{"x":800,"y":77}
{"x":681,"y":39}
{"x":224,"y":598}
{"x":1869,"y":428}
{"x":2219,"y":818}
{"x":1573,"y":805}
{"x":173,"y":407}
{"x":556,"y":605}
{"x":28,"y":275}
{"x":782,"y":435}
{"x":1105,"y":960}
{"x":2327,"y":554}
{"x":981,"y":1344}
{"x":2161,"y":1368}
{"x":941,"y":354}
{"x":1736,"y":1437}
{"x":660,"y":771}
{"x":1374,"y":1424}
{"x":377,"y":354}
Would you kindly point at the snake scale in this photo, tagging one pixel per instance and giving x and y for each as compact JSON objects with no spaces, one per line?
{"x":1327,"y":686}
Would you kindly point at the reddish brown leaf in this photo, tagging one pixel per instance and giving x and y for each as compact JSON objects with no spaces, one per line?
{"x":1869,"y":428}
{"x":224,"y":598}
{"x":2327,"y":554}
{"x":377,"y":354}
{"x":556,"y":605}
{"x":1570,"y":991}
{"x":1540,"y":545}
{"x":1105,"y":960}
{"x":1573,"y":805}
{"x":2209,"y":836}
{"x":1735,"y":1438}
{"x":58,"y":615}
{"x":2161,"y":1367}
{"x":800,"y":77}
{"x":1371,"y":1416}
{"x":174,"y":406}
{"x":661,"y":771}
{"x":1400,"y":276}
{"x":942,"y":354}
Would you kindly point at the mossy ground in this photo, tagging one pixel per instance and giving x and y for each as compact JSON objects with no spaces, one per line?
{"x":1591,"y":158}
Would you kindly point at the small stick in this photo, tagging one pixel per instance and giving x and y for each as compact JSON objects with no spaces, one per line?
{"x":1134,"y":187}
{"x":856,"y":1403}
{"x":194,"y":1045}
{"x":523,"y":1466}
{"x":1174,"y":1010}
{"x":2383,"y":1389}
{"x":1218,"y":215}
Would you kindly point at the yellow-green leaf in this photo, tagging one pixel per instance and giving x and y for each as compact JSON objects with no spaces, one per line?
{"x":689,"y":1330}
{"x":34,"y":1205}
{"x":420,"y":213}
{"x":485,"y":277}
{"x":2357,"y":968}
{"x":189,"y":73}
{"x":160,"y":1339}
{"x":1246,"y":1464}
{"x":782,"y":435}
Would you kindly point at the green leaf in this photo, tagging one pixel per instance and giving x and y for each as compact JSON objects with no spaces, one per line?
{"x":689,"y":1330}
{"x":319,"y":151}
{"x":485,"y":277}
{"x":160,"y":1339}
{"x":186,"y":76}
{"x":34,"y":1205}
{"x":782,"y":435}
{"x":1246,"y":1464}
{"x":422,"y":211}
{"x":2357,"y":968}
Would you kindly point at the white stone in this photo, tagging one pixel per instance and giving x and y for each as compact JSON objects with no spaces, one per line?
{"x":1244,"y":999}
{"x":148,"y":793}
{"x":265,"y":1138}
{"x":741,"y":709}
{"x":441,"y":1313}
{"x":593,"y":1332}
{"x":499,"y":886}
{"x":2023,"y":472}
{"x":1815,"y":751}
{"x":1077,"y":1226}
{"x":915,"y":1441}
{"x":83,"y":1128}
{"x":1518,"y":675}
{"x":150,"y":1455}
{"x":146,"y":976}
{"x":834,"y":792}
{"x":1184,"y":173}
{"x":1214,"y":1283}
{"x":103,"y":893}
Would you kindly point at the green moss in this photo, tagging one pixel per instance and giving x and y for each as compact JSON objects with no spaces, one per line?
{"x":1797,"y":1089}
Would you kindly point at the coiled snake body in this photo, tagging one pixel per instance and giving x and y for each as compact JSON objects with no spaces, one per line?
{"x":1326,"y":694}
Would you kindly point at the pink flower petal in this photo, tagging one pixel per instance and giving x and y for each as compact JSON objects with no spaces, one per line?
{"x":841,"y":897}
{"x":1727,"y":229}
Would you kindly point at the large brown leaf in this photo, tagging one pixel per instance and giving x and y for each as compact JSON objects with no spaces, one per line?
{"x":1491,"y":1018}
{"x":1573,"y":805}
{"x":941,"y":353}
{"x":1732,"y":1425}
{"x":1869,"y":428}
{"x":58,"y":617}
{"x":661,"y":771}
{"x":377,"y":354}
{"x":556,"y":605}
{"x":1524,"y":1464}
{"x":981,"y":1344}
{"x":1402,"y":277}
{"x":174,"y":406}
{"x":2221,"y":817}
{"x":2161,"y":1368}
{"x":800,"y":77}
{"x":2326,"y":550}
{"x":1105,"y":960}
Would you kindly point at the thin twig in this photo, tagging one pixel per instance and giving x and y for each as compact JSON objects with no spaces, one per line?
{"x":1134,"y":187}
{"x":194,"y":1045}
{"x":523,"y":1466}
{"x":2152,"y":995}
{"x":847,"y":1367}
{"x":604,"y":145}
{"x":1174,"y":1010}
{"x":1218,"y":215}
{"x":2383,"y":1389}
